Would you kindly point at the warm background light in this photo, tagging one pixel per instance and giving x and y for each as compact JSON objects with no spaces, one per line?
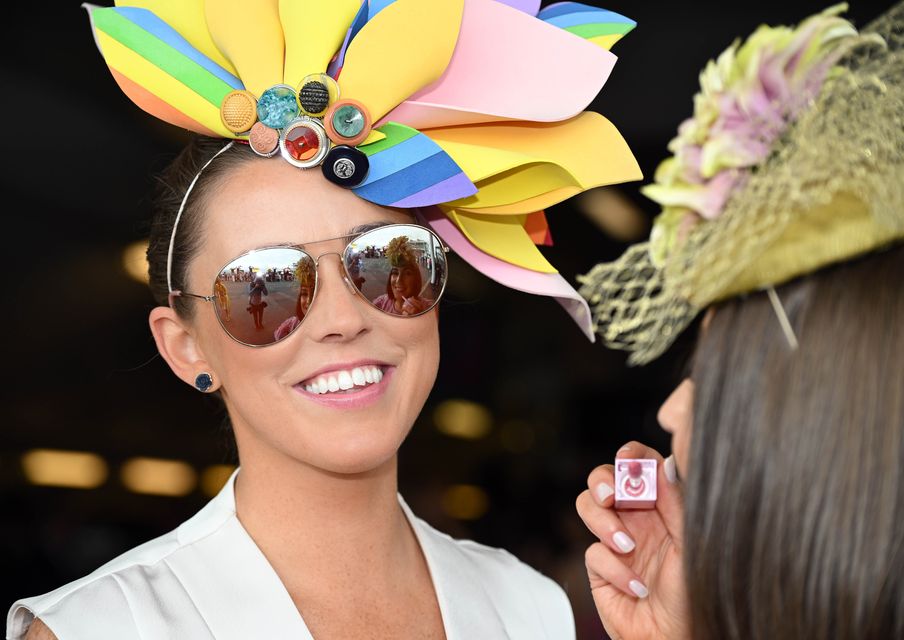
{"x":75,"y":469}
{"x":158,"y":477}
{"x":517,"y":436}
{"x":214,"y":477}
{"x":135,"y":261}
{"x":465,"y":502}
{"x":463,"y":419}
{"x":615,"y":214}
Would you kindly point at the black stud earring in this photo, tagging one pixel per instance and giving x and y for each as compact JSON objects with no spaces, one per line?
{"x":203,"y":382}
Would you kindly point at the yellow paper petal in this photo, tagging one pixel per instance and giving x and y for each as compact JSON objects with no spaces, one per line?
{"x":607,"y":41}
{"x":187,"y":18}
{"x":313,"y":30}
{"x":536,"y":203}
{"x":536,"y":163}
{"x":166,"y":87}
{"x":404,"y":48}
{"x":374,"y":136}
{"x":503,"y":237}
{"x":249,"y":34}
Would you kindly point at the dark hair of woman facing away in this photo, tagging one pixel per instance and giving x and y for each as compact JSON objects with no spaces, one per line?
{"x":172,"y":185}
{"x":795,"y":496}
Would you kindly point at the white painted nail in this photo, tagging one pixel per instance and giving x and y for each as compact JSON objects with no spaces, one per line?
{"x":639,"y":590}
{"x":671,"y":473}
{"x":603,"y":491}
{"x":623,"y":542}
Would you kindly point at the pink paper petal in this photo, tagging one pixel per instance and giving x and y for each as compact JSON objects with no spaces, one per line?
{"x":530,"y":7}
{"x":541,"y":284}
{"x":564,"y":72}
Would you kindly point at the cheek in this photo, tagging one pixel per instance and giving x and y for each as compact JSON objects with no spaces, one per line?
{"x":676,"y":417}
{"x":420,"y":337}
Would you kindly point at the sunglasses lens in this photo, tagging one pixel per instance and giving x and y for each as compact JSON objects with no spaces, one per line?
{"x":262,"y":297}
{"x":399,"y":269}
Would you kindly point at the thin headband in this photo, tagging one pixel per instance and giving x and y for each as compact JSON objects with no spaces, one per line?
{"x":172,"y":240}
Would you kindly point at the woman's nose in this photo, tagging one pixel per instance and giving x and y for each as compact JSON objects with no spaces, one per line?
{"x":675,"y":413}
{"x":335,"y":314}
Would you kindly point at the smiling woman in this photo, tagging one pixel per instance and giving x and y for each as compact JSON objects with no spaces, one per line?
{"x":309,"y":305}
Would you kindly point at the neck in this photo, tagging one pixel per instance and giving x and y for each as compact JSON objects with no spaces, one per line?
{"x":317,"y":522}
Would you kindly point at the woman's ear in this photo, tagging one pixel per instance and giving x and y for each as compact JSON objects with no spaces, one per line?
{"x":179,"y":347}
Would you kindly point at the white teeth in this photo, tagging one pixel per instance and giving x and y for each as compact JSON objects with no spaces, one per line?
{"x":345,"y":380}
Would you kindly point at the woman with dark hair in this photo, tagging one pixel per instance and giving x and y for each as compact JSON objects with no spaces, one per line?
{"x":404,"y":285}
{"x":780,"y":512}
{"x":304,"y":275}
{"x":309,"y":537}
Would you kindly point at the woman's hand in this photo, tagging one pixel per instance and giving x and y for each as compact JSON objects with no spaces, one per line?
{"x":636,"y":571}
{"x":412,"y":306}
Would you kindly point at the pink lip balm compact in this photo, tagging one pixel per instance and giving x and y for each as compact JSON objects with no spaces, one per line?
{"x":635,"y":483}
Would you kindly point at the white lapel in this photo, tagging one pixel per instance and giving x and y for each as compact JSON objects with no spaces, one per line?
{"x":468,"y":610}
{"x":240,"y":596}
{"x":230,"y":580}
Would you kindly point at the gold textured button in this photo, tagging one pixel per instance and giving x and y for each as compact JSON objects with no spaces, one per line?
{"x":238,"y":111}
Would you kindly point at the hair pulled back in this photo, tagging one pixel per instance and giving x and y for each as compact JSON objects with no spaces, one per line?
{"x":172,"y":185}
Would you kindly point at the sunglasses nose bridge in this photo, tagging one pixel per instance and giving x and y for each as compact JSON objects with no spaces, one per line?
{"x":342,"y":269}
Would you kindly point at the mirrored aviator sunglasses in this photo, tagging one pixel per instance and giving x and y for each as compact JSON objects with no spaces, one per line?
{"x":263,"y":296}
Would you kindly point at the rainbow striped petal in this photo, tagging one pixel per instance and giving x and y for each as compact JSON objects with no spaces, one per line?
{"x":505,"y":273}
{"x":335,"y":66}
{"x":408,"y":169}
{"x":599,"y":26}
{"x":161,"y":71}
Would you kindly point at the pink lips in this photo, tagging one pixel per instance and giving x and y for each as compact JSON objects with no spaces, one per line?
{"x":360,"y":399}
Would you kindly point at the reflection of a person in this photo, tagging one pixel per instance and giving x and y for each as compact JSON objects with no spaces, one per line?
{"x":403,"y":287}
{"x":304,"y":274}
{"x":219,"y":290}
{"x":257,"y":289}
{"x":305,"y":295}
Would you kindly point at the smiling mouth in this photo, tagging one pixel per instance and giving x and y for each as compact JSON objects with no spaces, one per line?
{"x":343,"y":380}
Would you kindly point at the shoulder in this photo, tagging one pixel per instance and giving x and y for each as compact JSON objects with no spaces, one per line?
{"x":522,"y":595}
{"x":102,"y":604}
{"x":40,"y":631}
{"x":504,"y":573}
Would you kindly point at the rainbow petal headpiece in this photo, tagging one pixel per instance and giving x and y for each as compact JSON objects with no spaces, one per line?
{"x":469,"y":110}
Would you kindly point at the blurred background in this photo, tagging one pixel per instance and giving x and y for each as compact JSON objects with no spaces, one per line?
{"x":102,"y":448}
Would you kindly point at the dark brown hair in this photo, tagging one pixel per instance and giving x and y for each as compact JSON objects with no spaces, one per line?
{"x":172,"y":185}
{"x":795,"y":496}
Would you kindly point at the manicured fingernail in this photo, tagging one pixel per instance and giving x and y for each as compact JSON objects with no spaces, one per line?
{"x":623,"y":542}
{"x":639,"y":590}
{"x":603,"y":491}
{"x":671,"y":473}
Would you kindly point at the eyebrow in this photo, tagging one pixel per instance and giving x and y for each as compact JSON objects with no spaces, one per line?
{"x":364,"y":228}
{"x":351,"y":233}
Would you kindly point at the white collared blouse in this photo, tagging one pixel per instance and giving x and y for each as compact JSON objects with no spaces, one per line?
{"x":208,"y":579}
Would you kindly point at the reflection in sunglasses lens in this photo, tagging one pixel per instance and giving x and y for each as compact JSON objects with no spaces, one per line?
{"x":400,"y":270}
{"x":262,"y":297}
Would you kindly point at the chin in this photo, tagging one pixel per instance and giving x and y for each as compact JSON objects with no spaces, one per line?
{"x":353,"y":456}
